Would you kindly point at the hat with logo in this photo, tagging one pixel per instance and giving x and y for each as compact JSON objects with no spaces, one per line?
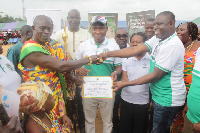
{"x":99,"y":19}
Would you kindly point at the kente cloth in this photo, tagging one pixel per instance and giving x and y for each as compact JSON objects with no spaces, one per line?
{"x":71,"y":106}
{"x":189,"y":60}
{"x":50,"y":77}
{"x":56,"y":127}
{"x":33,"y":96}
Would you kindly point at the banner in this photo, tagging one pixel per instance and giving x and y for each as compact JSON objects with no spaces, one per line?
{"x":112,"y":19}
{"x":136,"y":20}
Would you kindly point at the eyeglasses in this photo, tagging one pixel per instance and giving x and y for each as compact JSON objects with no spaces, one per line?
{"x":123,"y":35}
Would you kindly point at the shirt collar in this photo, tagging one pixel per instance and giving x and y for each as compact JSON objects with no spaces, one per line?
{"x":146,"y":56}
{"x":20,"y":43}
{"x":105,"y":42}
{"x":167,"y":39}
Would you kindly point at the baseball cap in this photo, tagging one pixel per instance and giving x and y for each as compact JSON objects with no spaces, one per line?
{"x":99,"y":18}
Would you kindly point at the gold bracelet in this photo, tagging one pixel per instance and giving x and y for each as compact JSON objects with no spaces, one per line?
{"x":90,"y":59}
{"x":100,"y":60}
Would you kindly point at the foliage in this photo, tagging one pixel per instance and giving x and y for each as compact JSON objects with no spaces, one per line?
{"x":7,"y":19}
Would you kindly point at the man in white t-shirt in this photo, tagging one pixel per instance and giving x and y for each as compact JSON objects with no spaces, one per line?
{"x":110,"y":67}
{"x":166,"y":71}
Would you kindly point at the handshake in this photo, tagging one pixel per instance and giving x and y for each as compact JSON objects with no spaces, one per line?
{"x":97,"y":59}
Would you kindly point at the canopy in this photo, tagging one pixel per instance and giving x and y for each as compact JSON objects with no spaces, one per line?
{"x":2,"y":25}
{"x":11,"y":26}
{"x":179,"y":22}
{"x":197,"y":21}
{"x":84,"y":24}
{"x":19,"y":25}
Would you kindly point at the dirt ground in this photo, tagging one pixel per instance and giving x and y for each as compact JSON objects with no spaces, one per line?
{"x":5,"y":48}
{"x":98,"y":123}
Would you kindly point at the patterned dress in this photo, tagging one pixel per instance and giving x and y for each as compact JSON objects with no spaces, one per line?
{"x":50,"y":77}
{"x":56,"y":127}
{"x":189,"y":60}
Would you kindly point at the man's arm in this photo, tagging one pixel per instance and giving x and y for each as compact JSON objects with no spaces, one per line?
{"x":126,"y":52}
{"x":196,"y":127}
{"x":149,"y":78}
{"x":47,"y":61}
{"x":124,"y":76}
{"x":117,"y":72}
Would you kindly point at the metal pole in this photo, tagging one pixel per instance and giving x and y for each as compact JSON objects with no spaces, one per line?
{"x":23,"y":9}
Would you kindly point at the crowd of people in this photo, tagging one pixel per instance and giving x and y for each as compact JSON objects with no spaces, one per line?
{"x":5,"y":36}
{"x":156,"y":77}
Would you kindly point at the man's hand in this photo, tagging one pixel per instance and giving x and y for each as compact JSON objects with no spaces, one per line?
{"x":12,"y":127}
{"x":114,"y":76}
{"x":150,"y":106}
{"x":65,"y":120}
{"x":103,"y":56}
{"x":118,"y":85}
{"x":95,"y":59}
{"x":82,"y":71}
{"x":185,"y":109}
{"x":79,"y":80}
{"x":196,"y":127}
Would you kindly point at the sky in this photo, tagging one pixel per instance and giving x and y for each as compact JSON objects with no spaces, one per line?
{"x":183,"y":9}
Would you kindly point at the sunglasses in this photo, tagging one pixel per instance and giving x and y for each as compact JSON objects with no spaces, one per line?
{"x":123,"y":35}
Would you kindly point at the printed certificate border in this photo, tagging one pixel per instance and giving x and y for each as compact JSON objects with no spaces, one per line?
{"x":96,"y":97}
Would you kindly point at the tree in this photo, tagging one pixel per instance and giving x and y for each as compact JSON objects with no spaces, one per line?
{"x":7,"y":19}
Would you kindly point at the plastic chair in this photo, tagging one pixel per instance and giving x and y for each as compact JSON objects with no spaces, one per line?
{"x":10,"y":41}
{"x":15,"y":40}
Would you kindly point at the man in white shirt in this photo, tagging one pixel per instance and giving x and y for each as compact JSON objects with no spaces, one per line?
{"x":121,"y":38}
{"x":110,"y":67}
{"x":76,"y":36}
{"x":166,"y":71}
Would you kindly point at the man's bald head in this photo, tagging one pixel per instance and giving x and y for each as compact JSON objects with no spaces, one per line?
{"x":73,"y":10}
{"x":25,"y":29}
{"x":42,"y":29}
{"x":169,"y":14}
{"x":41,"y":18}
{"x":26,"y":33}
{"x":73,"y":19}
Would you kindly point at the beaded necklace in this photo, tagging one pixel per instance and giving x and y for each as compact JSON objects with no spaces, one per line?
{"x":73,"y":41}
{"x":54,"y":123}
{"x":190,"y":46}
{"x":37,"y":120}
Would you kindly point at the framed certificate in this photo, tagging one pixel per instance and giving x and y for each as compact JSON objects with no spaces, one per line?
{"x":97,"y":87}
